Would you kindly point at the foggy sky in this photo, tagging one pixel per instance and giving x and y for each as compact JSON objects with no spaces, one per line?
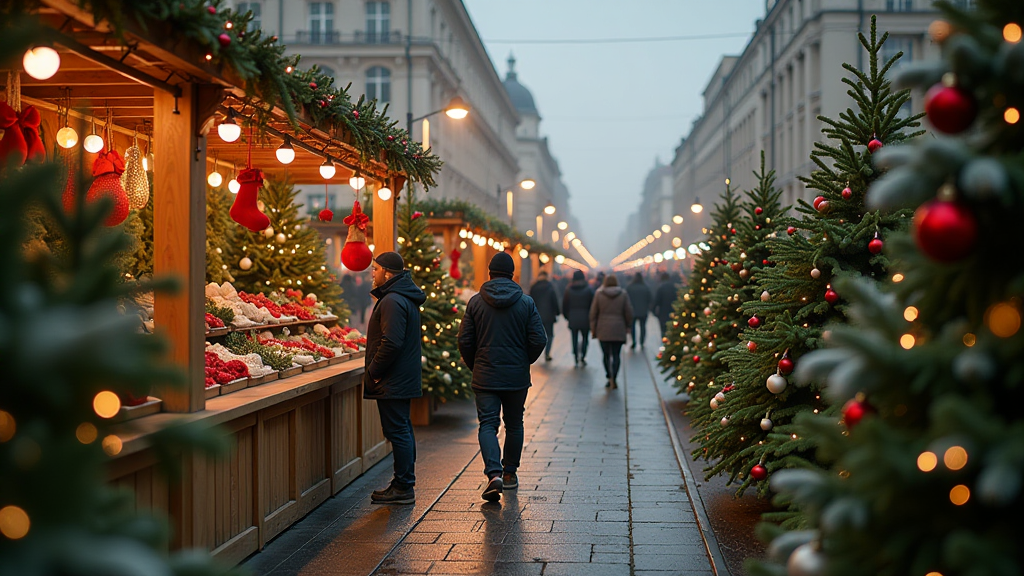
{"x":610,"y":109}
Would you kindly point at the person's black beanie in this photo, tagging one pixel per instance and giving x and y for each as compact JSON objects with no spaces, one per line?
{"x":578,"y":275}
{"x":502,"y":265}
{"x":391,"y":261}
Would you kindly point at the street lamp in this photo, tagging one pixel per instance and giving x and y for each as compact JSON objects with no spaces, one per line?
{"x":525,"y":184}
{"x":457,"y":109}
{"x":696,"y":208}
{"x":549,"y":209}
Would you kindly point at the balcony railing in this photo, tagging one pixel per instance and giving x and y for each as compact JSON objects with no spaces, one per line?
{"x":317,"y":37}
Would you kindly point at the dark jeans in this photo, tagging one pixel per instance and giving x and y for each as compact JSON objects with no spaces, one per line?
{"x":643,"y":329}
{"x":510,"y":404}
{"x":395,"y":420}
{"x":550,"y":329}
{"x":580,"y":340}
{"x":612,"y":357}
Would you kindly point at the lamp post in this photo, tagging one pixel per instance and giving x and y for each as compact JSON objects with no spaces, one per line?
{"x":525,"y":184}
{"x":457,"y":109}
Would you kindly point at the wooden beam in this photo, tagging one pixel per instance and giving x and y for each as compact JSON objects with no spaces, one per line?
{"x":179,"y":240}
{"x":114,"y":93}
{"x":80,"y":78}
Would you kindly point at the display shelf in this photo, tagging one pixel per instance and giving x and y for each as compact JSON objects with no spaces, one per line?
{"x":149,"y":407}
{"x":212,"y":391}
{"x":234,"y":386}
{"x":264,"y":379}
{"x":229,"y":329}
{"x":289,"y":372}
{"x":322,"y":363}
{"x":339,"y":358}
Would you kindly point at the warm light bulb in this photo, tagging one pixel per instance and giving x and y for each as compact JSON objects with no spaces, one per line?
{"x":560,"y":259}
{"x":527,"y":184}
{"x":549,"y":209}
{"x":1012,"y":33}
{"x":544,"y":258}
{"x":327,"y":169}
{"x":677,"y":219}
{"x":457,"y":109}
{"x":285,"y":152}
{"x":1011,"y":115}
{"x":214,"y":179}
{"x":696,"y":208}
{"x":234,"y":187}
{"x":357,"y":182}
{"x":67,"y":137}
{"x":524,"y":254}
{"x":665,"y":228}
{"x":384,"y":194}
{"x":41,"y":62}
{"x":229,"y":131}
{"x":563,"y":225}
{"x":92,"y":143}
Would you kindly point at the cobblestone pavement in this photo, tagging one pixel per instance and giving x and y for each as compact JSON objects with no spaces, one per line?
{"x":601,"y":493}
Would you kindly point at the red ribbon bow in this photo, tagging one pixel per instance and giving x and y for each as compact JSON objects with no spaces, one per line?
{"x":107,"y":162}
{"x":251,"y":176}
{"x":21,"y":134}
{"x":357,"y":217}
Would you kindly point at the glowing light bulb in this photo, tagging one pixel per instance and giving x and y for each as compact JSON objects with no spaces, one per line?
{"x":524,"y":254}
{"x":67,"y":137}
{"x":285,"y":152}
{"x":93,"y":143}
{"x":215,"y":179}
{"x":229,"y":131}
{"x":41,"y":62}
{"x":677,"y":219}
{"x":696,"y":207}
{"x":384,"y":193}
{"x":549,"y":209}
{"x":327,"y":169}
{"x":357,"y":182}
{"x":234,"y":187}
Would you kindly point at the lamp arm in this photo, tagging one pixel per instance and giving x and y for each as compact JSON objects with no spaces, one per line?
{"x":427,"y":115}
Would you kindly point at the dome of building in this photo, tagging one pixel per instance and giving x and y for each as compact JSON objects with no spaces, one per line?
{"x":520,"y":95}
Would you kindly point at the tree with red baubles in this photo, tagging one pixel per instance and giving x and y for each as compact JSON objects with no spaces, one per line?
{"x":941,"y":444}
{"x":786,"y":365}
{"x":875,"y":246}
{"x":758,"y":472}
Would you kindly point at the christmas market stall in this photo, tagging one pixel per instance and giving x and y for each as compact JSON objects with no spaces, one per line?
{"x":198,"y":128}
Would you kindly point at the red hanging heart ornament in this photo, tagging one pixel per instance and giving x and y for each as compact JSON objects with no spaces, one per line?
{"x":356,"y":254}
{"x":106,"y":171}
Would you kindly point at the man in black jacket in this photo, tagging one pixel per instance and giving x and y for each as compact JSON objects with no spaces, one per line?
{"x":501,"y":335}
{"x":393,"y":369}
{"x":664,"y":298}
{"x":640,"y":297}
{"x":546,"y":299}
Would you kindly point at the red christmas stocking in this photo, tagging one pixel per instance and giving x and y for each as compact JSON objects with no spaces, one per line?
{"x":454,"y":271}
{"x":244,"y":210}
{"x":107,"y":170}
{"x":356,"y":254}
{"x":21,"y":134}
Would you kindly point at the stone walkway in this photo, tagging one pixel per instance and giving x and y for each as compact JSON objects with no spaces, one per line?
{"x":601,"y":493}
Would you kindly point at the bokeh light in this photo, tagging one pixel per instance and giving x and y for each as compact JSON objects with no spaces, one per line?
{"x":106,"y":404}
{"x":927,"y":461}
{"x":14,"y":522}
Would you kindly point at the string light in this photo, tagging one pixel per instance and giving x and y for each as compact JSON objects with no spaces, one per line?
{"x":927,"y":461}
{"x":14,"y":522}
{"x":357,"y":182}
{"x":1011,"y":115}
{"x":959,"y":495}
{"x":327,"y":169}
{"x":285,"y":152}
{"x":907,"y":341}
{"x":228,"y":130}
{"x":910,"y":314}
{"x":106,"y":404}
{"x":7,"y":426}
{"x":384,"y":193}
{"x":955,"y":458}
{"x":86,"y":433}
{"x":1012,"y":33}
{"x":41,"y":62}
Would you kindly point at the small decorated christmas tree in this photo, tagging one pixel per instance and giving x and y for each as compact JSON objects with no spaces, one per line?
{"x":287,"y":255}
{"x":444,"y":374}
{"x":925,"y":464}
{"x":220,"y":235}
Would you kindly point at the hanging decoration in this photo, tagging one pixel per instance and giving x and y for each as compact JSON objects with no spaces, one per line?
{"x":21,"y":135}
{"x":245,"y":209}
{"x":356,"y":254}
{"x":454,"y":271}
{"x":134,"y":180}
{"x":106,"y":171}
{"x":326,"y":215}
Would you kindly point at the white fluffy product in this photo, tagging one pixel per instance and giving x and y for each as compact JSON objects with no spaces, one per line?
{"x":302,"y":359}
{"x":252,"y":361}
{"x":321,"y":329}
{"x":339,"y":351}
{"x":228,"y":291}
{"x":212,"y":290}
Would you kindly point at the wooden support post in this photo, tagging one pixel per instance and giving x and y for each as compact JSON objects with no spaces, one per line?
{"x":384,"y":230}
{"x":179,"y":239}
{"x":518,"y":275}
{"x":480,"y":262}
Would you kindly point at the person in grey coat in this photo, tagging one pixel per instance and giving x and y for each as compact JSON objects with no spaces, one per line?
{"x":610,"y":315}
{"x":543,"y":294}
{"x":500,"y":336}
{"x":576,"y":303}
{"x":640,"y":297}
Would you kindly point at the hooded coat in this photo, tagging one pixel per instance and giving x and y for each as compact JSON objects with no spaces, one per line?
{"x":393,"y":367}
{"x":576,"y":304}
{"x":543,"y":294}
{"x":500,"y":336}
{"x":640,"y":297}
{"x":611,"y":314}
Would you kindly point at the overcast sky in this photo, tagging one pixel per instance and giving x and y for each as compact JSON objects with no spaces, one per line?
{"x":610,"y":109}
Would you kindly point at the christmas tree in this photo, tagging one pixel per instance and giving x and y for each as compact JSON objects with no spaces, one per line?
{"x":925,"y":465}
{"x":678,"y":358}
{"x":718,"y":330}
{"x":220,"y":235}
{"x":444,"y":374}
{"x":836,"y":236}
{"x":287,"y":255}
{"x":68,"y":353}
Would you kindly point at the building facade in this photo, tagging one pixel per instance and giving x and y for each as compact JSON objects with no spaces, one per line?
{"x":656,"y":211}
{"x":413,"y":56}
{"x":769,"y":97}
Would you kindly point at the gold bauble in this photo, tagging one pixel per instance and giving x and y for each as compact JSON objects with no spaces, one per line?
{"x":134,"y":180}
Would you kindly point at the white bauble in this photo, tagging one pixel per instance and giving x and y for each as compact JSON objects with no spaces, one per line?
{"x":815,"y":273}
{"x":690,"y":386}
{"x":720,"y":396}
{"x":281,"y":238}
{"x":725,"y":421}
{"x":445,"y":354}
{"x":707,"y":311}
{"x":447,"y":378}
{"x":806,"y":560}
{"x":696,"y":339}
{"x":766,"y":424}
{"x":744,"y":273}
{"x":269,"y":232}
{"x":776,"y":383}
{"x":765,"y":296}
{"x":713,"y":404}
{"x":686,"y":349}
{"x":423,"y":359}
{"x":245,"y":263}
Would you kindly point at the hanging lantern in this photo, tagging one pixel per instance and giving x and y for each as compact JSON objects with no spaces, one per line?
{"x":134,"y":180}
{"x":327,"y":169}
{"x":228,"y":130}
{"x":93,"y":143}
{"x":285,"y":152}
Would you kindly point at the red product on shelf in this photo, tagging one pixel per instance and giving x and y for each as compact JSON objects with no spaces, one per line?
{"x":221,"y":372}
{"x":213,"y":322}
{"x":261,"y":301}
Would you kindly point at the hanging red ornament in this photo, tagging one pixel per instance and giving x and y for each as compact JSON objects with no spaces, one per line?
{"x":323,"y":103}
{"x":224,"y":39}
{"x":752,"y":346}
{"x":875,"y":246}
{"x":854,"y":411}
{"x":874,"y":145}
{"x":831,"y":296}
{"x":355,"y":113}
{"x":758,"y":210}
{"x":786,"y":365}
{"x":817,"y":200}
{"x":696,"y":359}
{"x":106,"y":171}
{"x":391,"y":138}
{"x":453,"y":270}
{"x":455,"y":309}
{"x":326,"y":215}
{"x":211,"y":9}
{"x":732,"y":230}
{"x":356,"y":254}
{"x":754,"y":322}
{"x":21,"y":135}
{"x":946,"y":231}
{"x":951,"y":109}
{"x":847,"y":193}
{"x":416,"y":215}
{"x":758,"y":472}
{"x":244,"y":210}
{"x":312,"y":85}
{"x":790,"y":230}
{"x":822,"y":206}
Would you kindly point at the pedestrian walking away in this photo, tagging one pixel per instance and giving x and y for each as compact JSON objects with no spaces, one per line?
{"x":610,"y":315}
{"x":500,"y":336}
{"x":393,"y":374}
{"x":544,"y":296}
{"x":664,"y":298}
{"x":640,"y":298}
{"x":576,"y":306}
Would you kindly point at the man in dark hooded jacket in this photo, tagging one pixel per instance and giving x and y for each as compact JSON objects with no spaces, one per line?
{"x":640,"y":297}
{"x":500,"y":336}
{"x":546,"y":299}
{"x":664,"y":298}
{"x":393,"y":369}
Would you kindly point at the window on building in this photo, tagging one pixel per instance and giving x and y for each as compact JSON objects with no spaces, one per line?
{"x":315,"y":203}
{"x":257,"y":13}
{"x":321,"y":22}
{"x":378,"y":84}
{"x":899,"y":5}
{"x":378,"y":22}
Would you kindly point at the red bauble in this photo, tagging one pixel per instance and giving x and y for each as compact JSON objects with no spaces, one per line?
{"x":312,"y":85}
{"x":945,"y":231}
{"x":950,"y":109}
{"x":752,"y":346}
{"x":790,"y":230}
{"x":875,"y":246}
{"x":831,"y":297}
{"x":416,"y":214}
{"x":391,"y":138}
{"x":758,"y":210}
{"x":356,"y":254}
{"x":355,"y":113}
{"x":696,"y":359}
{"x":854,"y":412}
{"x":765,"y":261}
{"x":817,"y":201}
{"x":874,"y":145}
{"x":323,"y":103}
{"x":758,"y":472}
{"x":224,"y":39}
{"x":211,"y":9}
{"x":736,"y":266}
{"x":326,"y":215}
{"x":822,"y":206}
{"x":732,"y":230}
{"x":786,"y":365}
{"x":847,"y":193}
{"x":754,"y":322}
